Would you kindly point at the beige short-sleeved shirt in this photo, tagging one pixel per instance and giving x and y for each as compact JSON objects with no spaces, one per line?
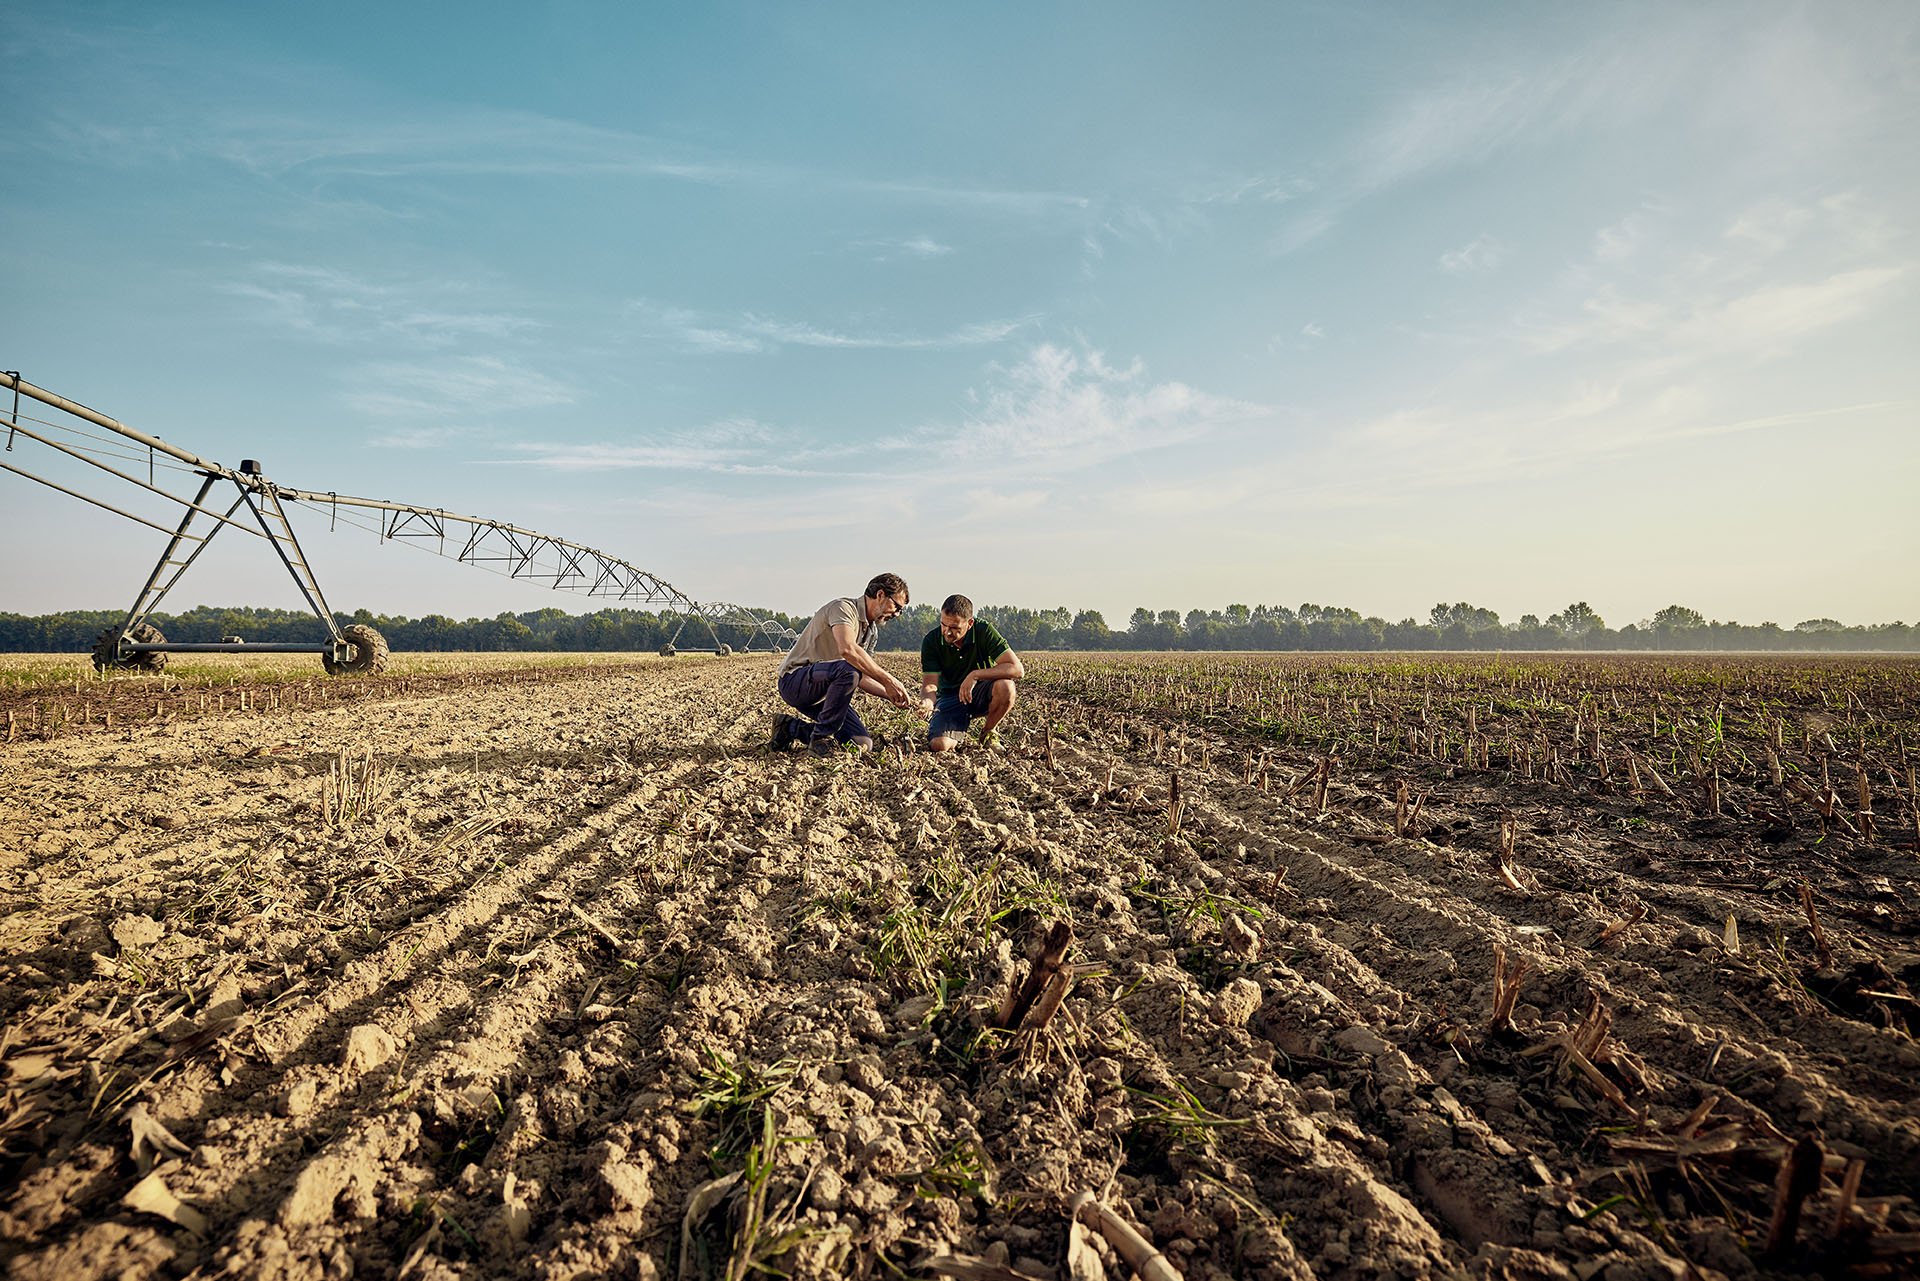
{"x":816,"y":643}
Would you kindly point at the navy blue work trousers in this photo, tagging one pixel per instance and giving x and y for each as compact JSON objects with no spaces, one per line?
{"x":823,"y":694}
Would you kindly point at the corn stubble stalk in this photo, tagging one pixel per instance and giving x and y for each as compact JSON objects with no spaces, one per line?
{"x":1048,"y":969}
{"x":1799,"y":1178}
{"x":1506,"y":989}
{"x":1509,"y":835}
{"x":1813,"y":923}
{"x":1148,"y":1263}
{"x":349,"y":792}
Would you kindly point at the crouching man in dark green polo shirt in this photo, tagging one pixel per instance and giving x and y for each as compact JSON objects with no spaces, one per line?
{"x":966,"y":670}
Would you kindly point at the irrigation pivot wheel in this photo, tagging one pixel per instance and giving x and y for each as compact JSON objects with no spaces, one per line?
{"x":369,"y":656}
{"x":106,"y":650}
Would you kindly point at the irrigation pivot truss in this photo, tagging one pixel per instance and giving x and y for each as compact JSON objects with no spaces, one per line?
{"x":475,"y":540}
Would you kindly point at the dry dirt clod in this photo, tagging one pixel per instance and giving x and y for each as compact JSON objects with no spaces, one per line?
{"x":136,"y":931}
{"x":1241,"y":939}
{"x":368,"y":1047}
{"x":1235,"y":1003}
{"x":299,"y":1099}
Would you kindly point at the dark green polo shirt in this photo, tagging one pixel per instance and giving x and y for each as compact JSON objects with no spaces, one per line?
{"x":981,"y":647}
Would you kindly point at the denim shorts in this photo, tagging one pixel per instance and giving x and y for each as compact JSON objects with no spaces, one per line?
{"x":951,"y":716}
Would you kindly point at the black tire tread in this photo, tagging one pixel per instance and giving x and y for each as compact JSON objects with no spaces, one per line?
{"x":369,"y":657}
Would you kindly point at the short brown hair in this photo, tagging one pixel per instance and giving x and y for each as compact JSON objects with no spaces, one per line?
{"x":957,"y":605}
{"x":889,"y":585}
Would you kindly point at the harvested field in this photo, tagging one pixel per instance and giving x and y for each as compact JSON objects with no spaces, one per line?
{"x":1383,"y":967}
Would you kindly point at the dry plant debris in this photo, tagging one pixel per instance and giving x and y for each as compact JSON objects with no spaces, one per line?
{"x":558,"y":973}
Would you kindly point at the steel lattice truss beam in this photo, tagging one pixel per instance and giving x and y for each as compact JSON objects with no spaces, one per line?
{"x":519,"y":553}
{"x":542,"y":558}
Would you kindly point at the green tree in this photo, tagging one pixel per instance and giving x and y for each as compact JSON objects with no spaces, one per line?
{"x":1679,"y":616}
{"x":1089,"y":631}
{"x":1577,"y":619}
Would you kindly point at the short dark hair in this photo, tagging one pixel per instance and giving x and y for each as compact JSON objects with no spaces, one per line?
{"x":889,"y":585}
{"x":957,"y":605}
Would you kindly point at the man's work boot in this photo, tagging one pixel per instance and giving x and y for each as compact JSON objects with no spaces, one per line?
{"x":782,"y":733}
{"x":989,"y":739}
{"x":825,"y":747}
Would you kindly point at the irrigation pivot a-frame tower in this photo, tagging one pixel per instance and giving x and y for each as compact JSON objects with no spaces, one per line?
{"x":508,"y":549}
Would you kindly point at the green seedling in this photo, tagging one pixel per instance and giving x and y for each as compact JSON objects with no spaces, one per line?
{"x":1181,"y":1115}
{"x":732,"y":1091}
{"x":961,"y":1168}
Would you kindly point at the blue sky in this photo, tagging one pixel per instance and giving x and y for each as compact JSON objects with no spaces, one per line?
{"x":1095,"y":305}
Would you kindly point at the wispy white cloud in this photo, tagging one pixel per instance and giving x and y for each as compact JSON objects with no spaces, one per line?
{"x":450,"y":141}
{"x":339,"y":307}
{"x":993,"y":502}
{"x":736,"y":447}
{"x":1481,"y":253}
{"x":1795,"y":84}
{"x":697,"y":332}
{"x":466,"y":385}
{"x":1071,"y":408}
{"x":1647,"y":286}
{"x":1619,"y":241}
{"x":1650,"y":341}
{"x":1267,"y":189}
{"x":676,"y":456}
{"x":919,"y":247}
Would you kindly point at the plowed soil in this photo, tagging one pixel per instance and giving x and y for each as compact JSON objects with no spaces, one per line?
{"x":504,"y":989}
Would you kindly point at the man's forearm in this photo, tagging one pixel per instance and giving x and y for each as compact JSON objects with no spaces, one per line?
{"x":862,"y":662}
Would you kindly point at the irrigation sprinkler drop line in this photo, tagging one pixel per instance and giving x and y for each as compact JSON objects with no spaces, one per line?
{"x":103,"y":453}
{"x":99,"y":419}
{"x":15,"y":417}
{"x":51,"y":425}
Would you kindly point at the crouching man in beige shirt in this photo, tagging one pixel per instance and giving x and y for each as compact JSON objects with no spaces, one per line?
{"x":830,"y":661}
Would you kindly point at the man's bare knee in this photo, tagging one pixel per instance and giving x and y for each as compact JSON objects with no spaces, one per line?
{"x":940,"y":744}
{"x":1003,"y":695}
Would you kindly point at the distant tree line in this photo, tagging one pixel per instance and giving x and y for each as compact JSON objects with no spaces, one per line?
{"x":1447,"y":627}
{"x":542,"y":629}
{"x":1237,"y":627}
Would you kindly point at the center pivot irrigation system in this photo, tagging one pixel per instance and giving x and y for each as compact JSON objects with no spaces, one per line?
{"x":518,"y":553}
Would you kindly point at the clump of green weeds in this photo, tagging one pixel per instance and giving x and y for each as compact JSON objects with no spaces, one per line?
{"x":962,"y":1168}
{"x":731,"y":1092}
{"x":950,"y":915}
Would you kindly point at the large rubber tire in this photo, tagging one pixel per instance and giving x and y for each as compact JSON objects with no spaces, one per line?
{"x":667,"y":650}
{"x":724,"y":650}
{"x":369,"y":656}
{"x":107,"y":648}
